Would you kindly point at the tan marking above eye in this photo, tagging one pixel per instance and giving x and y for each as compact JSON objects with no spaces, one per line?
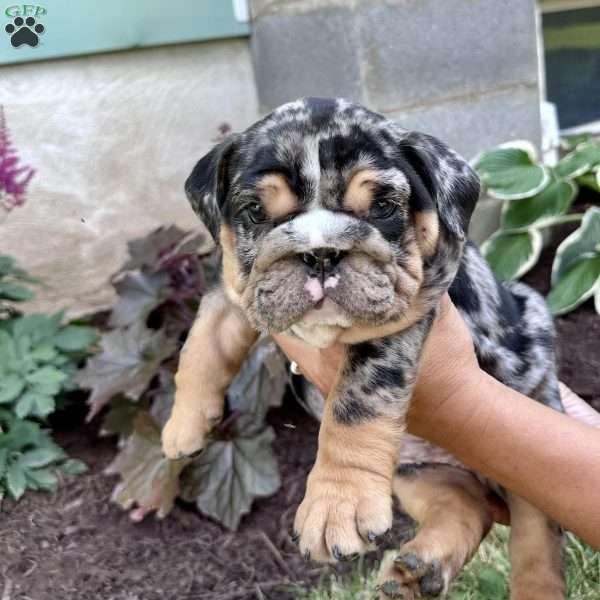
{"x":359,"y":192}
{"x":427,"y":230}
{"x":277,"y":197}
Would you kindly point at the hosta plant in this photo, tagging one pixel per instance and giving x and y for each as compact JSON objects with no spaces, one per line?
{"x":39,"y":355}
{"x":536,"y":197}
{"x":131,"y":381}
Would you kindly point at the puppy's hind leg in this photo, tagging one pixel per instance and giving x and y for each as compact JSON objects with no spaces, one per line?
{"x":535,"y":540}
{"x":212,"y":355}
{"x":450,"y":506}
{"x":535,"y":554}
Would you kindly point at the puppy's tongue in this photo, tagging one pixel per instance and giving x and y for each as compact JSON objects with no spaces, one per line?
{"x":314,"y":288}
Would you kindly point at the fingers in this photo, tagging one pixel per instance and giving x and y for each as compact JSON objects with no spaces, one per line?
{"x":319,"y":365}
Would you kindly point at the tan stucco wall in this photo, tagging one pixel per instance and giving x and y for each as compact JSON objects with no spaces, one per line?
{"x":112,"y":138}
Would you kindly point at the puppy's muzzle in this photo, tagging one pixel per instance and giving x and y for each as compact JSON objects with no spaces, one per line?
{"x":322,"y":262}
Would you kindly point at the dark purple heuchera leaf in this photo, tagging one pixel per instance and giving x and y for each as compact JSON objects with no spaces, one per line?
{"x":160,"y":244}
{"x":164,"y":277}
{"x":148,"y":479}
{"x":13,"y":178}
{"x":139,"y":294}
{"x":238,"y":464}
{"x":258,"y":386}
{"x":226,"y":478}
{"x":127,"y":362}
{"x":159,"y":289}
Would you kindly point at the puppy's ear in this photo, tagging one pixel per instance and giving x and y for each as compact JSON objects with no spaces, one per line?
{"x":208,"y":184}
{"x":451,"y":187}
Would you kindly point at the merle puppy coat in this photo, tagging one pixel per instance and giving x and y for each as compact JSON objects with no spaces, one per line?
{"x":338,"y":225}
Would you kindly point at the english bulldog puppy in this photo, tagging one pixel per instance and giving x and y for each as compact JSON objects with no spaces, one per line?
{"x":337,"y":225}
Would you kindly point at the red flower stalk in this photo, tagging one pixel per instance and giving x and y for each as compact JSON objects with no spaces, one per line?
{"x":13,"y":177}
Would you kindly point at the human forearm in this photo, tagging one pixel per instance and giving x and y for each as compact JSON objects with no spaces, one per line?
{"x":555,"y":466}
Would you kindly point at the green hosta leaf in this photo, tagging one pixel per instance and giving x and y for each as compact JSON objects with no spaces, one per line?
{"x":570,"y":142}
{"x":128,"y":360}
{"x":74,"y":466}
{"x":42,"y":479}
{"x":139,"y":294}
{"x":554,"y":200}
{"x":578,"y":162}
{"x":34,"y":404}
{"x":10,"y":388}
{"x":14,"y":292}
{"x":511,"y":255}
{"x":510,"y":173}
{"x":226,"y":478}
{"x":590,"y":180}
{"x":583,"y":240}
{"x":75,"y":338}
{"x":575,"y":286}
{"x":149,"y":480}
{"x":41,"y":457}
{"x":15,"y":480}
{"x":259,"y":385}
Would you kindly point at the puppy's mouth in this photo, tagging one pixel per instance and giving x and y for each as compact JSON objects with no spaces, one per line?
{"x":319,"y":288}
{"x":323,"y":273}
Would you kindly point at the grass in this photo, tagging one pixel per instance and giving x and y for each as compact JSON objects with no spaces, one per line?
{"x":484,"y":578}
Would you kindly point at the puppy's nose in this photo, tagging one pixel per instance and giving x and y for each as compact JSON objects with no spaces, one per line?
{"x":322,"y":260}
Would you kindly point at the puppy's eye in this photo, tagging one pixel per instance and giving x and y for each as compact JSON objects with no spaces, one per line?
{"x":256,"y":212}
{"x":382,"y":209}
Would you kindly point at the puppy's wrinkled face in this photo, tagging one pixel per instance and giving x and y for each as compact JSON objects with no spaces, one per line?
{"x":330,"y":217}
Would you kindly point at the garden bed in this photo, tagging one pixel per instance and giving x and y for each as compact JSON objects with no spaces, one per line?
{"x":75,"y":543}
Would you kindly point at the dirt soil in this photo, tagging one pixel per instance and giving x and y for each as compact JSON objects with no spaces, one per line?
{"x":76,"y":544}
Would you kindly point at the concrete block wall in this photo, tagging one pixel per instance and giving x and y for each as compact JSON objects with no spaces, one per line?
{"x":464,"y":70}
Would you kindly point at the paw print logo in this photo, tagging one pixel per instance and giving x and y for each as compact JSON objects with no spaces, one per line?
{"x":24,"y":31}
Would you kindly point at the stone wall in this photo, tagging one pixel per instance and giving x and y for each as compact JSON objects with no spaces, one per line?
{"x":112,"y":138}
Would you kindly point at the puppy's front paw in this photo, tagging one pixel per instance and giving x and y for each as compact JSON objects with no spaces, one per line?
{"x":185,"y":433}
{"x":342,"y":517}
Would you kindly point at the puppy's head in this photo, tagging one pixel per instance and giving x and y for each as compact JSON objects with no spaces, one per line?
{"x":331,"y":216}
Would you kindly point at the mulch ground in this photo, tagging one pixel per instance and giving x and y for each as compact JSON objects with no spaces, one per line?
{"x":76,"y":544}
